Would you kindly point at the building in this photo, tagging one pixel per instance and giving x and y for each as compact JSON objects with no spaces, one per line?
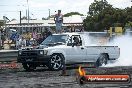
{"x":75,"y":21}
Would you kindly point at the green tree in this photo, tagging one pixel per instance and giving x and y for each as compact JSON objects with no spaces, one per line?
{"x":72,"y":13}
{"x":128,"y":12}
{"x":102,"y":15}
{"x":128,"y":25}
{"x":97,"y":6}
{"x":99,"y":16}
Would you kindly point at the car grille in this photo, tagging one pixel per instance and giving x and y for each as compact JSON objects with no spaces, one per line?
{"x":29,"y":53}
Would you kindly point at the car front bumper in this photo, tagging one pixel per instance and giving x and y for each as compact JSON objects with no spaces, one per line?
{"x":33,"y":59}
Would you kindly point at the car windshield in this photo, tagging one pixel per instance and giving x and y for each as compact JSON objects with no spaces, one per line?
{"x":55,"y":39}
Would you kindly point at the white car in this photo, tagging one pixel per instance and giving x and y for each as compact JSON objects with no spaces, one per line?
{"x":66,"y":49}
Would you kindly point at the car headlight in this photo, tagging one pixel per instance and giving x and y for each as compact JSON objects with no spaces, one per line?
{"x":41,"y":52}
{"x":45,"y":52}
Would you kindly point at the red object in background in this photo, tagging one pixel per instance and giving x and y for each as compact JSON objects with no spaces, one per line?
{"x":11,"y":65}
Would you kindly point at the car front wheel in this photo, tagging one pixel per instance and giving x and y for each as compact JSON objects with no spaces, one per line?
{"x":56,"y":62}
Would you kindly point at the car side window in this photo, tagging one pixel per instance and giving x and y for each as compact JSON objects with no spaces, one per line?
{"x":75,"y":39}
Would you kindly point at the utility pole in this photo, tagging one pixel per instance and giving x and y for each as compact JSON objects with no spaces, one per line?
{"x":28,"y":12}
{"x":49,"y":13}
{"x":20,"y":18}
{"x":28,"y":15}
{"x":4,"y":17}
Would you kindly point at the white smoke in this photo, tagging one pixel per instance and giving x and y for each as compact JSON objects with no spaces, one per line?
{"x":124,"y":42}
{"x":125,"y":45}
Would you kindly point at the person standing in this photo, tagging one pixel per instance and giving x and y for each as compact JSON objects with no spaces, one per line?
{"x":34,"y":37}
{"x":28,"y":36}
{"x":34,"y":34}
{"x":22,"y":42}
{"x":58,"y":21}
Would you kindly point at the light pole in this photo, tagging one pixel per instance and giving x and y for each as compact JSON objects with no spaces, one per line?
{"x":28,"y":16}
{"x":28,"y":11}
{"x":49,"y":13}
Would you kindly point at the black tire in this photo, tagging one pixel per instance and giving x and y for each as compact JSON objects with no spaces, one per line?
{"x":102,"y":60}
{"x":56,"y":62}
{"x":28,"y":66}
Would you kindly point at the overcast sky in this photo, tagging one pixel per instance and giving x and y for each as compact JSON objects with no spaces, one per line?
{"x":39,"y":8}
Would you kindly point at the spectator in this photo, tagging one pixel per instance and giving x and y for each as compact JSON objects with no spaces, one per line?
{"x":22,"y":42}
{"x":28,"y":37}
{"x":33,"y":42}
{"x":47,"y":33}
{"x":66,"y":30}
{"x":43,"y":35}
{"x":77,"y":30}
{"x":72,"y":28}
{"x":34,"y":34}
{"x":18,"y":43}
{"x":82,"y":29}
{"x":58,"y":21}
{"x":40,"y":39}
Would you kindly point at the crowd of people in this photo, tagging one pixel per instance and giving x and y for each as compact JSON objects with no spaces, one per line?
{"x":16,"y":40}
{"x":32,"y":39}
{"x":26,"y":39}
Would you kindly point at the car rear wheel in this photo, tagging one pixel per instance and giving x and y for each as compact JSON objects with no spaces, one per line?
{"x":102,"y":60}
{"x":56,"y":62}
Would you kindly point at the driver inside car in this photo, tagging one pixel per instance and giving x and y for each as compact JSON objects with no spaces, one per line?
{"x":76,"y":41}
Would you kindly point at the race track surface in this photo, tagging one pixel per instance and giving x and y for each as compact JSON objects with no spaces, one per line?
{"x":43,"y":78}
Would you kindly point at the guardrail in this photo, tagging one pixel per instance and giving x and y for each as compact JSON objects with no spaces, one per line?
{"x":8,"y":55}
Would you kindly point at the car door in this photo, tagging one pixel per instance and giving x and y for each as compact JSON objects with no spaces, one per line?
{"x":92,"y":54}
{"x":76,"y":53}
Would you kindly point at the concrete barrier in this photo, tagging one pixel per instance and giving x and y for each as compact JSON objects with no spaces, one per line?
{"x":8,"y":55}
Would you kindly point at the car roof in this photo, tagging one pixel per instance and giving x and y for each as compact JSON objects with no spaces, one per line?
{"x":81,"y":33}
{"x":70,"y":34}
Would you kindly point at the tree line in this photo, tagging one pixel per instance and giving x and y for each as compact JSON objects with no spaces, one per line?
{"x":102,"y":15}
